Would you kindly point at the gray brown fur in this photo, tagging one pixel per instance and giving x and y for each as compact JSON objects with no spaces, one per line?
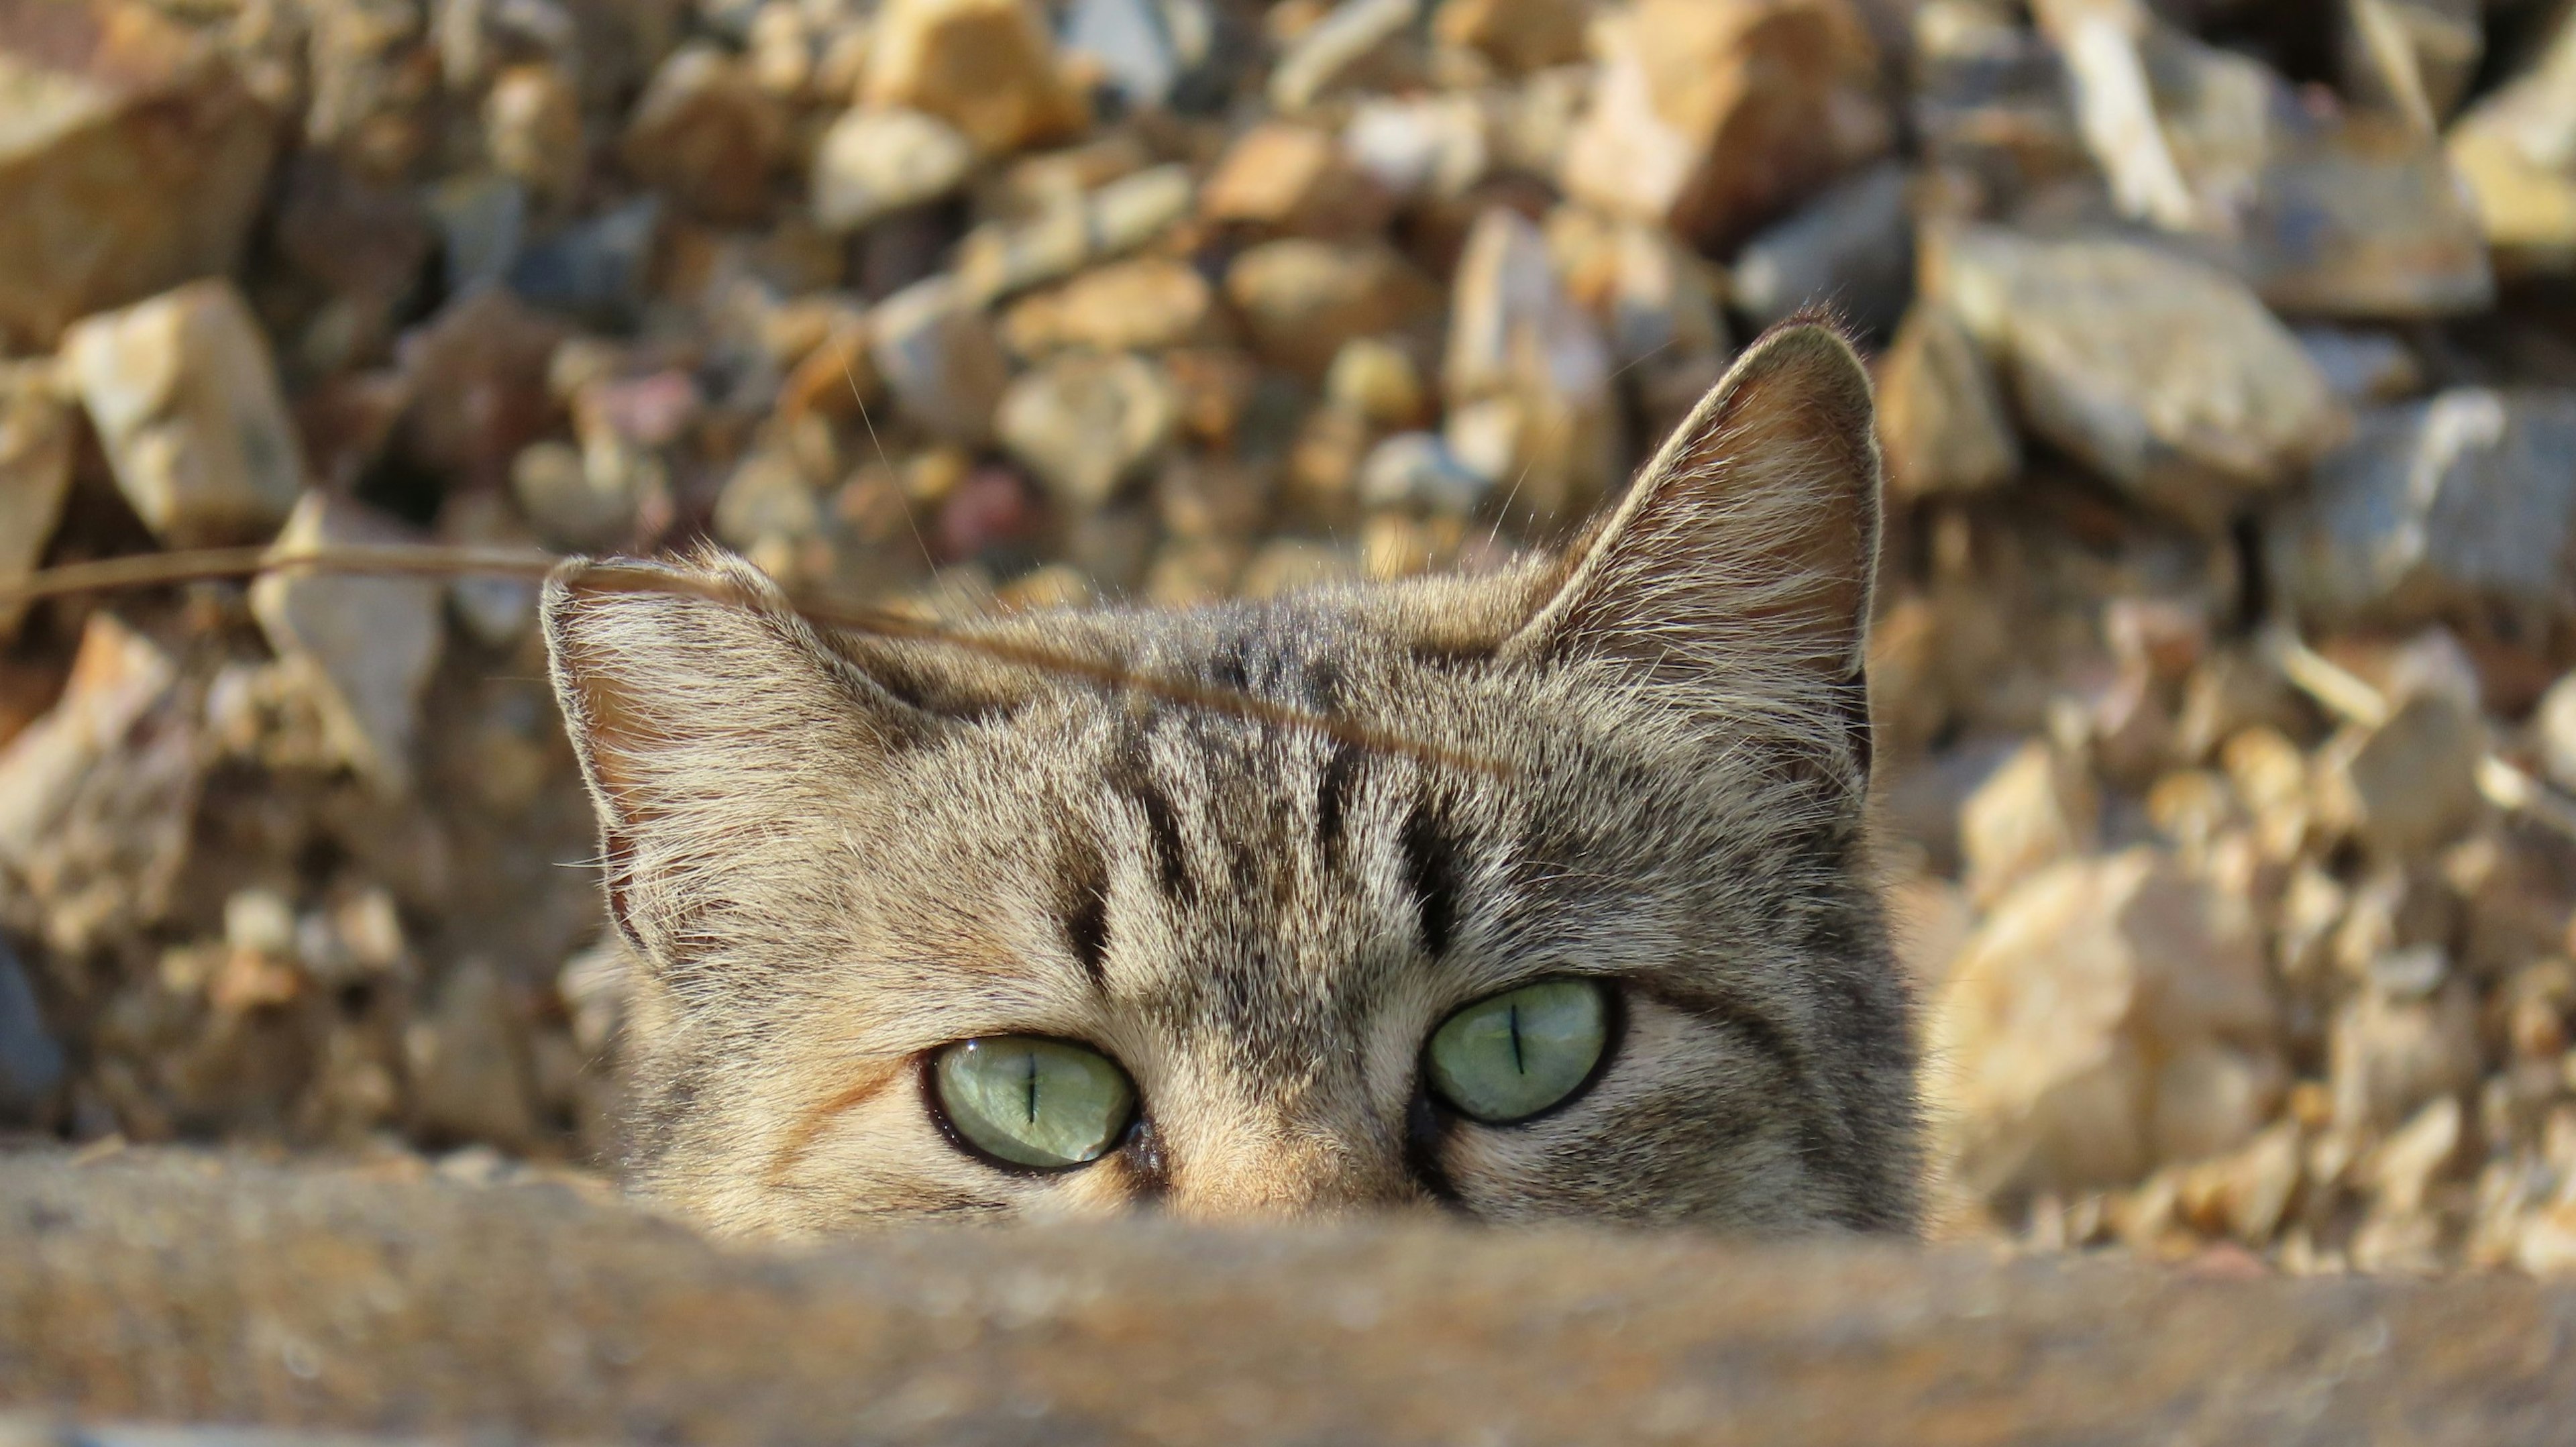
{"x":836,"y":854}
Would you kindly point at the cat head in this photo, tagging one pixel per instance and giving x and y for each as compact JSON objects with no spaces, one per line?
{"x":1561,"y":910}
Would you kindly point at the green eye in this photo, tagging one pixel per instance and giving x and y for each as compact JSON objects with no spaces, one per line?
{"x":1510,"y":1057}
{"x":1034,"y":1102}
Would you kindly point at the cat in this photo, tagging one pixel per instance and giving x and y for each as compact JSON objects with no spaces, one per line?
{"x":926,"y":932}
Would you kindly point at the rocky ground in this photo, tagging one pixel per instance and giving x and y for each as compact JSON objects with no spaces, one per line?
{"x":2227,"y":355}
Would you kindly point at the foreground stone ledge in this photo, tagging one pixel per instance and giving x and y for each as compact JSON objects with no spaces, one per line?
{"x":170,"y":1288}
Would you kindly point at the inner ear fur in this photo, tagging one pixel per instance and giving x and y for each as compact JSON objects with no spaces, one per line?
{"x":1739,"y":566}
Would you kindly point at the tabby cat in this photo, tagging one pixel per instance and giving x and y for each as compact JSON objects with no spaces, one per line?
{"x":926,"y":932}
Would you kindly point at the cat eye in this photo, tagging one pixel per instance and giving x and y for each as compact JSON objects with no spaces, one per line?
{"x":1032,"y":1101}
{"x":1507,"y":1058}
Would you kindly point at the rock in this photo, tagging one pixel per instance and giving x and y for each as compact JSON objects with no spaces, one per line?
{"x":2363,"y":368}
{"x":2516,"y":149}
{"x":2553,"y":728}
{"x":2165,"y":375}
{"x":2388,"y":1057}
{"x":134,"y":160}
{"x":31,"y":1064}
{"x":97,"y":796}
{"x":594,"y":270}
{"x":1527,"y":374}
{"x":36,"y":443}
{"x":1293,"y":179}
{"x":872,"y":163}
{"x":1084,"y":424}
{"x":2402,"y":1170}
{"x":1519,"y":36}
{"x":1131,"y":44}
{"x":362,"y":646}
{"x":2364,"y":218}
{"x":2248,"y":1193}
{"x":2411,"y":784}
{"x":1421,"y":148}
{"x":532,"y":128}
{"x":468,"y":1063}
{"x":495,"y":610}
{"x":1301,"y":299}
{"x":476,"y":377}
{"x":2037,"y":808}
{"x":1376,"y":380}
{"x":482,"y":221}
{"x":2090,"y":989}
{"x":1339,"y":50}
{"x":1991,"y":102}
{"x":1713,"y":118}
{"x":186,"y":404}
{"x":1415,"y":471}
{"x":1147,"y":304}
{"x":708,"y":135}
{"x":1851,"y":250}
{"x":573,"y":505}
{"x":999,"y":258}
{"x":984,"y":66}
{"x":937,"y":352}
{"x":1657,"y":302}
{"x":1941,"y":419}
{"x":2180,"y":129}
{"x":2464,"y":500}
{"x":2413,"y":57}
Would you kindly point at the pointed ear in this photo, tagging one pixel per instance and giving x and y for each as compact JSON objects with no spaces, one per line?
{"x":1736,"y":572}
{"x":707,"y":715}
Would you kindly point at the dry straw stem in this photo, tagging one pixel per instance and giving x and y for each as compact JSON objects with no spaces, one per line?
{"x":154,"y":570}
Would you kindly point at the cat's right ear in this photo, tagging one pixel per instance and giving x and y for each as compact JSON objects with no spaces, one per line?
{"x":703,"y":709}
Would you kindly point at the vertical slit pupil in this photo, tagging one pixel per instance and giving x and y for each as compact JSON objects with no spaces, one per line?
{"x":1518,"y":1066}
{"x":1030,"y":1060}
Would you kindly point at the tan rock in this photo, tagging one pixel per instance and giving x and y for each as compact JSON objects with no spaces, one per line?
{"x":2413,"y":57}
{"x":1358,"y":41}
{"x":36,"y":439}
{"x":532,"y":127}
{"x":1085,"y":423}
{"x":1146,"y":304}
{"x":1294,"y":179}
{"x":1527,"y":374}
{"x":1941,"y":417}
{"x":985,"y":66}
{"x":2409,"y":785}
{"x":134,"y":159}
{"x":1071,"y":232}
{"x":706,"y":133}
{"x":2166,"y":375}
{"x":1714,"y":116}
{"x":2038,"y":808}
{"x":361,"y":647}
{"x":2388,"y":1055}
{"x":1301,"y":299}
{"x":186,"y":403}
{"x":874,"y":162}
{"x":468,"y":1064}
{"x":2091,"y":989}
{"x":2516,"y":149}
{"x":937,"y":352}
{"x":1520,"y":36}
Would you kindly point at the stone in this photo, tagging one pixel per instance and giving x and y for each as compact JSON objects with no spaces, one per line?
{"x":1131,"y":44}
{"x":1084,"y":424}
{"x":999,"y":258}
{"x":2038,"y":807}
{"x":2413,"y":57}
{"x":2089,"y":989}
{"x":2165,"y":375}
{"x":872,"y":163}
{"x":2410,"y":784}
{"x":1296,"y":180}
{"x":2516,"y":150}
{"x":1301,"y":299}
{"x":32,"y":1065}
{"x":362,"y":646}
{"x":708,"y":135}
{"x":1527,"y":374}
{"x":1145,"y":304}
{"x":1421,"y":149}
{"x":2180,"y":129}
{"x":1991,"y":102}
{"x":1343,"y":48}
{"x":2247,"y":1193}
{"x":1518,"y":36}
{"x":1377,"y":380}
{"x":2553,"y":730}
{"x":475,"y":375}
{"x":573,"y":505}
{"x":36,"y":446}
{"x":468,"y":1066}
{"x":186,"y":403}
{"x":2364,"y":368}
{"x":984,"y":66}
{"x":595,"y":269}
{"x":97,"y":796}
{"x":1851,"y":250}
{"x":2364,"y":218}
{"x":1415,"y":471}
{"x":1715,"y":116}
{"x":936,"y":350}
{"x":134,"y":160}
{"x":2463,"y":500}
{"x":2388,"y":1057}
{"x":1942,"y":423}
{"x":532,"y":129}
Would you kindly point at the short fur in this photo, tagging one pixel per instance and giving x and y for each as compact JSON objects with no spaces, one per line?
{"x":836,"y":854}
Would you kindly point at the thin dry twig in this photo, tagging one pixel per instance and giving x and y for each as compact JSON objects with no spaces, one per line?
{"x":153,"y":570}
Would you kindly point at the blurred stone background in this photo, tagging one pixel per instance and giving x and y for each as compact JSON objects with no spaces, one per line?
{"x":2227,"y":356}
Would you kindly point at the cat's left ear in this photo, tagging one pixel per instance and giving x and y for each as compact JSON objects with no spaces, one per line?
{"x":1736,"y":573}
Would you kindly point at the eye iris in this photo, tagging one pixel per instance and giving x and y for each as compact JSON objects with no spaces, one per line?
{"x":1509,"y":1057}
{"x":1033,"y":1101}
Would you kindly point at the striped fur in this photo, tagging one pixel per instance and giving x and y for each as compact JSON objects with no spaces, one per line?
{"x":836,"y":854}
